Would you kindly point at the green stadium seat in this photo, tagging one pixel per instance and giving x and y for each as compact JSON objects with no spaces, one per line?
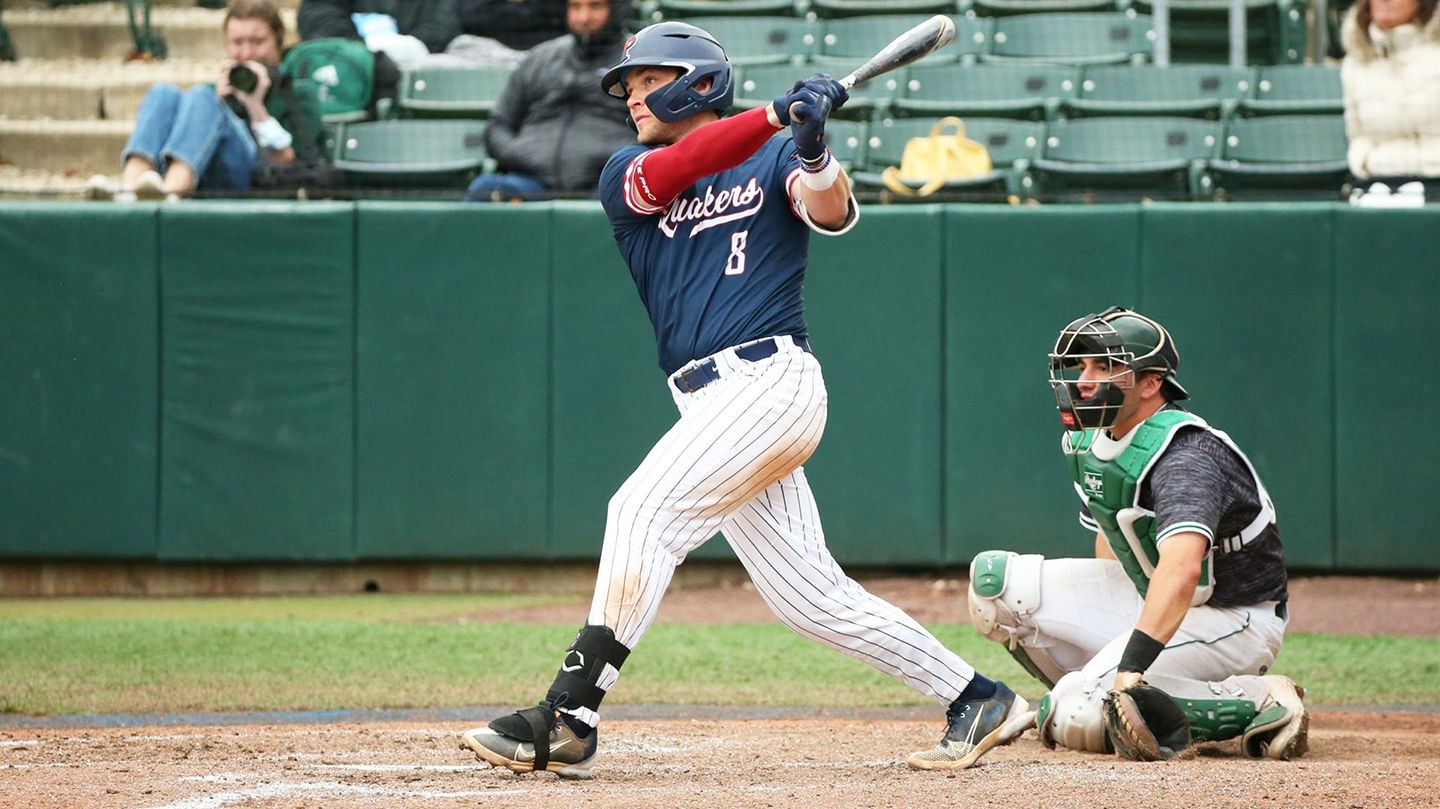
{"x":1078,"y":38}
{"x":868,"y":98}
{"x":832,"y":9}
{"x":1006,"y":8}
{"x":680,"y":9}
{"x":1201,"y":91}
{"x":1281,"y":155}
{"x":760,"y":84}
{"x":450,"y":92}
{"x":847,"y":141}
{"x":1296,"y":90}
{"x":1012,"y":145}
{"x":859,"y":38}
{"x":998,"y":90}
{"x":761,"y":40}
{"x":411,"y":152}
{"x":1146,"y":156}
{"x":1200,"y":30}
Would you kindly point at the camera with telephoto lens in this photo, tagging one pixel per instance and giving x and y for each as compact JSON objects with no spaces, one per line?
{"x":242,"y":78}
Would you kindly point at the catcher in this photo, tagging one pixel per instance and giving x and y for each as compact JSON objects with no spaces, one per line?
{"x":1188,"y":587}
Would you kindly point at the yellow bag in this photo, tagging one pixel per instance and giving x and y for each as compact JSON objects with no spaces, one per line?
{"x":936,"y":159}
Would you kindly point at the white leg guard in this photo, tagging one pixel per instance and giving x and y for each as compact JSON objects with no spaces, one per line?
{"x":1004,"y":595}
{"x":1071,"y":715}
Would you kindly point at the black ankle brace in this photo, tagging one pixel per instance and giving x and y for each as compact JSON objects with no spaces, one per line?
{"x":585,"y":660}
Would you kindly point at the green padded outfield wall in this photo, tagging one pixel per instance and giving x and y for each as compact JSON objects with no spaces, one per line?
{"x":257,"y":453}
{"x":79,"y":380}
{"x":1387,"y":453}
{"x":1247,"y":291}
{"x":873,"y":304}
{"x":1008,"y":292}
{"x":453,"y":363}
{"x":334,"y":381}
{"x":609,"y":399}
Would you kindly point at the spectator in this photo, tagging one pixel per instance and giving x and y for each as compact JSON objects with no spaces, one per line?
{"x":1391,"y":79}
{"x":553,"y":128}
{"x":403,"y":29}
{"x":215,"y":136}
{"x":517,"y":24}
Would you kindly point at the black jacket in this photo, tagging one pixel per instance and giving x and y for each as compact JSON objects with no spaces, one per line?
{"x":519,"y":24}
{"x":434,"y":22}
{"x":553,"y":121}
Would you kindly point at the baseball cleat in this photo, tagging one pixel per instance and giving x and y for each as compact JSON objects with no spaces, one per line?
{"x":565,"y":754}
{"x":975,"y":728}
{"x":1282,"y":728}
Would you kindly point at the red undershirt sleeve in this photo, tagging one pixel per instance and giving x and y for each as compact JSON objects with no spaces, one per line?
{"x":656,"y":177}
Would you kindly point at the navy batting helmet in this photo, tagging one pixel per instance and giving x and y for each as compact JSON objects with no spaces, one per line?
{"x":683,"y":46}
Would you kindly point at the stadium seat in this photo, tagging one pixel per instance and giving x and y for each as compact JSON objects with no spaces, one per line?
{"x":679,"y":9}
{"x":1285,"y":155}
{"x":1012,"y":144}
{"x":755,"y":40}
{"x":859,"y":38}
{"x":450,"y":92}
{"x":1072,"y":38}
{"x":1200,"y":30}
{"x":1296,"y":90}
{"x":761,"y":84}
{"x":864,"y":8}
{"x":1147,"y":156}
{"x":847,"y":141}
{"x":411,"y":152}
{"x":1005,"y":8}
{"x":1201,"y":91}
{"x":990,"y":90}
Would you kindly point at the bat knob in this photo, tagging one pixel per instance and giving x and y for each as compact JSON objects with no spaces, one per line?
{"x":795,"y":115}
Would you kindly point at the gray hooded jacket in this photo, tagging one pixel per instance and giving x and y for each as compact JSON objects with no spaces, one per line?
{"x":553,"y":122}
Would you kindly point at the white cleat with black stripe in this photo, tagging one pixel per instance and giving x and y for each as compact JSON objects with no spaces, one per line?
{"x":563,"y":752}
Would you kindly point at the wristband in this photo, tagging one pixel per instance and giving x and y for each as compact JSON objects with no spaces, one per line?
{"x":271,"y":135}
{"x":823,"y":175}
{"x":1140,"y":652}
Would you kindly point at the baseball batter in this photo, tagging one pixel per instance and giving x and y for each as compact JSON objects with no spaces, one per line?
{"x":1188,"y":586}
{"x":713,"y":217}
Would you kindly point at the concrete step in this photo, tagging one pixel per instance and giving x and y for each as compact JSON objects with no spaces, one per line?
{"x":77,"y":148}
{"x":102,"y":31}
{"x":17,"y":183}
{"x":87,"y":89}
{"x":46,"y":4}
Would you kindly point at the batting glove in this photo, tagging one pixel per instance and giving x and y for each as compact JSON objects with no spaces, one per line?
{"x":807,"y":91}
{"x":808,"y":128}
{"x":824,"y":84}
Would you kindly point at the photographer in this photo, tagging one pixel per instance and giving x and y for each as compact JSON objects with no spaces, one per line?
{"x":215,"y":137}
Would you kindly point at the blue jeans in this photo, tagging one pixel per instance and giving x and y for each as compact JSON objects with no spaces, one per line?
{"x":484,"y":187}
{"x":198,"y":129}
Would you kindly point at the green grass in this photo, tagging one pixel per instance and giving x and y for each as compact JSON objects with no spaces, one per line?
{"x":387,"y":651}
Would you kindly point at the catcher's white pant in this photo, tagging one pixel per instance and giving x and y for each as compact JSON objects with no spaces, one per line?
{"x":1088,"y":608}
{"x":732,"y":463}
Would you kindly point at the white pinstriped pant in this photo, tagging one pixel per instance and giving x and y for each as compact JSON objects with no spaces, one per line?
{"x":732,"y":463}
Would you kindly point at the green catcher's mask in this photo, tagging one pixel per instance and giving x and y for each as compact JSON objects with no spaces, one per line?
{"x":1118,"y":336}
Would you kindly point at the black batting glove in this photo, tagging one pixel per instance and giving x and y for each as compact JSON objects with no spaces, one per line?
{"x":824,"y":84}
{"x":808,"y":127}
{"x":799,"y":94}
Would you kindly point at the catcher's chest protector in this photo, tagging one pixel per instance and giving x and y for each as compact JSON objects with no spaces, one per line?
{"x":1111,"y":490}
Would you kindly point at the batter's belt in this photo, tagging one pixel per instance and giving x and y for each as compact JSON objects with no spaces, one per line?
{"x":692,"y":379}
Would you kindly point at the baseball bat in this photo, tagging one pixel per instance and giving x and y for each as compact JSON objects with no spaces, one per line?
{"x":911,"y":46}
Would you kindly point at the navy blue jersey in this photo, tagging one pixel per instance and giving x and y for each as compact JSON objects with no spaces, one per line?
{"x":724,"y":262}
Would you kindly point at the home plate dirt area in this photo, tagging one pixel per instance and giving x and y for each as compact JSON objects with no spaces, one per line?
{"x":1356,"y":759}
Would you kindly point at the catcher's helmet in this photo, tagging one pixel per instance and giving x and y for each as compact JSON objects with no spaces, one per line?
{"x":1119,"y":336}
{"x":683,"y":46}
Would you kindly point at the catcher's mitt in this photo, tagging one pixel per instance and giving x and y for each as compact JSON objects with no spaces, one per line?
{"x":1146,"y":724}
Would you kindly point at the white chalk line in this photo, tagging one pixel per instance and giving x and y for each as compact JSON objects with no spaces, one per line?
{"x":273,"y":790}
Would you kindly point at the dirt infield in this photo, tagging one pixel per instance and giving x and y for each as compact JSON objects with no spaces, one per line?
{"x":1356,"y":759}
